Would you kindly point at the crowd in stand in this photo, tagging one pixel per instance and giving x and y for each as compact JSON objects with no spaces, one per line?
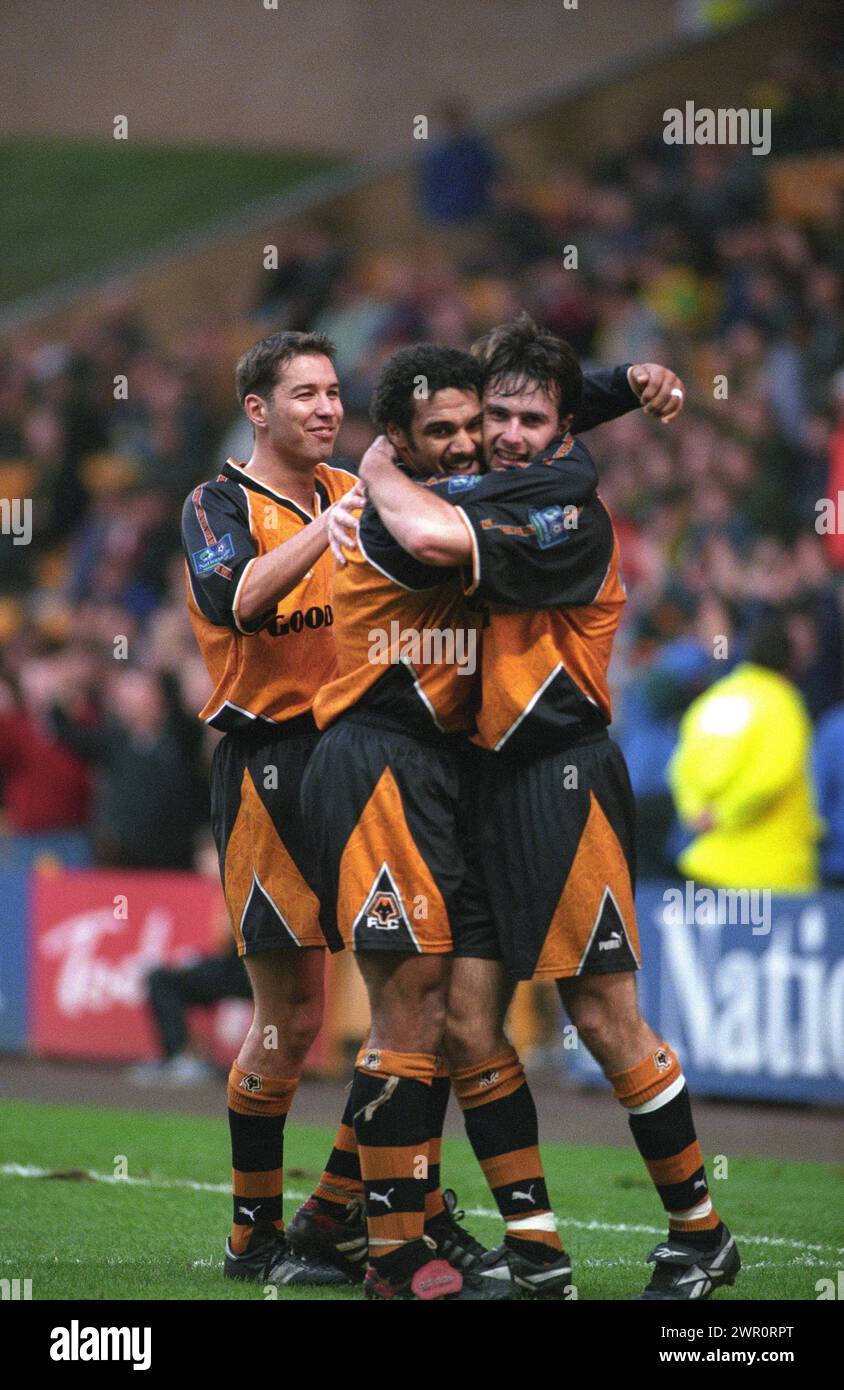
{"x":692,"y":256}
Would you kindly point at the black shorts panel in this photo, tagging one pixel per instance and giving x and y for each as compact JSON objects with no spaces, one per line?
{"x":558,"y":859}
{"x":266,"y":860}
{"x":383,"y":810}
{"x":473,"y":929}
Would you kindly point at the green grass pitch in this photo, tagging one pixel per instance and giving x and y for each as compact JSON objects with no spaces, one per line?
{"x":160,"y":1233}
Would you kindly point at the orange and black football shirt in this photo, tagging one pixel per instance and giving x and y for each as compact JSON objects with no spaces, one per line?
{"x":557,"y":856}
{"x":545,"y":564}
{"x":381,"y":798}
{"x":269,"y":672}
{"x":384,"y":593}
{"x":407,"y":643}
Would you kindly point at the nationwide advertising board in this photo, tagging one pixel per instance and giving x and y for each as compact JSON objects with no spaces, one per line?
{"x":14,"y":973}
{"x":18,"y":855}
{"x":747,"y":987}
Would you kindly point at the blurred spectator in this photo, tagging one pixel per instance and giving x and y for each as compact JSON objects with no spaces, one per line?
{"x":456,"y":170}
{"x":834,"y":492}
{"x":517,"y":235}
{"x":152,"y":798}
{"x":300,"y":287}
{"x":740,"y":776}
{"x":354,"y":319}
{"x":649,"y":718}
{"x":46,"y":786}
{"x":173,"y":990}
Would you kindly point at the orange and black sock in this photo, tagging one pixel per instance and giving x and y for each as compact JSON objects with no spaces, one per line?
{"x":390,"y":1094}
{"x":656,"y":1097}
{"x":438,"y":1094}
{"x":341,"y":1179}
{"x":502,"y":1127}
{"x":258,"y":1107}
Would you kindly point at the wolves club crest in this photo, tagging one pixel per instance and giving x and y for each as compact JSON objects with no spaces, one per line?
{"x":385,"y":914}
{"x":383,"y":923}
{"x":251,"y":1083}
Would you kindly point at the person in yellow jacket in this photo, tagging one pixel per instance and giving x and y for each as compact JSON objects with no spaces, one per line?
{"x":740,"y":776}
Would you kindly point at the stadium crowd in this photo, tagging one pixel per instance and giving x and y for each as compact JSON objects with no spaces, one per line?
{"x":691,"y":256}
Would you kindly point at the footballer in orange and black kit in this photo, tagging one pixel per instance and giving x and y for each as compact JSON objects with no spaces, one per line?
{"x":266,"y":675}
{"x":554,"y":806}
{"x":259,"y":596}
{"x":388,"y":799}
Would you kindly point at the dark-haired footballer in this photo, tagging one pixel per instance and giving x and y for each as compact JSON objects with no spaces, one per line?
{"x":387,"y":837}
{"x":259,"y":597}
{"x":382,"y":804}
{"x":554,"y":807}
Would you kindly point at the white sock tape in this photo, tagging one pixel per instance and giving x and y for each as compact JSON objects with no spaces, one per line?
{"x":545,"y":1221}
{"x":658,"y":1101}
{"x":694,"y":1213}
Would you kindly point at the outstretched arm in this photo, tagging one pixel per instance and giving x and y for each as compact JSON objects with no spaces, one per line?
{"x":610,"y":392}
{"x":660,"y":391}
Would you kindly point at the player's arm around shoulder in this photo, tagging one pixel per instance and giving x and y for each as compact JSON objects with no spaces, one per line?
{"x":424,"y":524}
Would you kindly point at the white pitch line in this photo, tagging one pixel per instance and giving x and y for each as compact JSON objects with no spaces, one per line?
{"x":624,"y":1228}
{"x":19,"y":1170}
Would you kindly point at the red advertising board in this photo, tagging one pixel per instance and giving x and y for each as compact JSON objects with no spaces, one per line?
{"x":96,"y":935}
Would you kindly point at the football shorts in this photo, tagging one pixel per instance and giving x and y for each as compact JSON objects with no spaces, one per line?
{"x":558,"y":859}
{"x":386,"y":815}
{"x":266,"y":860}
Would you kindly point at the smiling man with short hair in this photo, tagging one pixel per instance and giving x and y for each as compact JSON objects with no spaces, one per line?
{"x":259,"y":598}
